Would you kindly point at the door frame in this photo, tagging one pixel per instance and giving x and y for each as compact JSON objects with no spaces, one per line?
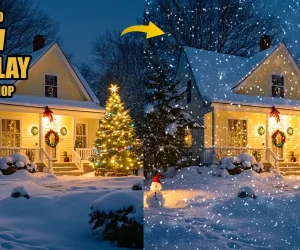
{"x":57,"y":146}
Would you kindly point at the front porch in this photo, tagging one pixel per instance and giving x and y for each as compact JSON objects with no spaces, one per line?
{"x":25,"y":130}
{"x":233,"y":129}
{"x":76,"y":165}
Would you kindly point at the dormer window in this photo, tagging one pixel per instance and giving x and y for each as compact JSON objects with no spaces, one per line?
{"x":189,"y":91}
{"x":278,"y":86}
{"x":51,"y":86}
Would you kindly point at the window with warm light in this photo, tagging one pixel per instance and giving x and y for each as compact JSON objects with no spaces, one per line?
{"x":51,"y":86}
{"x":188,"y":137}
{"x":237,"y":133}
{"x":11,"y":133}
{"x":278,"y":86}
{"x":81,"y":135}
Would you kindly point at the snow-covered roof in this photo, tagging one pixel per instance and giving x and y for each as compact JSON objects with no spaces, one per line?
{"x":38,"y":54}
{"x":216,"y":74}
{"x":53,"y":103}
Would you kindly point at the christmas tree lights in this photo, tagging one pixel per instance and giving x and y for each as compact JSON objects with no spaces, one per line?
{"x":116,"y":147}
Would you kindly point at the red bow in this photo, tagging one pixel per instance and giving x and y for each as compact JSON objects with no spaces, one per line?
{"x":48,"y":113}
{"x":275,"y":113}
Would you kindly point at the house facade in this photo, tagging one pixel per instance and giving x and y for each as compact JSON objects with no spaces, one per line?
{"x":57,"y":87}
{"x":244,"y":105}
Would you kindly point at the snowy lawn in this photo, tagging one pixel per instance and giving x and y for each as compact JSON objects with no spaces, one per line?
{"x":56,"y":215}
{"x":203,"y":212}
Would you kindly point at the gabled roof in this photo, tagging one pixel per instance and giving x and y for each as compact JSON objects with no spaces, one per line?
{"x":37,"y":55}
{"x":216,"y":75}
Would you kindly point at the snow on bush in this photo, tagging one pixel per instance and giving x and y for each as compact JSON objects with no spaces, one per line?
{"x":155,"y":199}
{"x":18,"y":157}
{"x":17,"y":161}
{"x":172,"y":128}
{"x":246,"y":157}
{"x":235,"y":165}
{"x":246,"y":192}
{"x":20,"y":164}
{"x":170,"y":173}
{"x":118,"y":217}
{"x":20,"y":192}
{"x":137,"y":186}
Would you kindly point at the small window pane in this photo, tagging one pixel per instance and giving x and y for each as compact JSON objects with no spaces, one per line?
{"x":11,"y":136}
{"x":237,"y":133}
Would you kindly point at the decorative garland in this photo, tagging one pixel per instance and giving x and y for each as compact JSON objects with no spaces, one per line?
{"x":261,"y":130}
{"x":63,"y":131}
{"x":34,"y":130}
{"x":290,"y":131}
{"x":275,"y":113}
{"x":283,"y":139}
{"x":47,"y":138}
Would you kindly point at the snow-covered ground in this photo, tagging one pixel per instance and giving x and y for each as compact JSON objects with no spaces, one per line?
{"x":56,"y":215}
{"x":203,"y":212}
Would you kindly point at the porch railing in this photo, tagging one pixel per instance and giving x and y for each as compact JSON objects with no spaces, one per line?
{"x":273,"y":159}
{"x":77,"y":160}
{"x":84,"y":153}
{"x":32,"y":153}
{"x":46,"y":159}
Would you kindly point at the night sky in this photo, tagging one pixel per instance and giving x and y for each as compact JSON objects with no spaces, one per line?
{"x":81,"y":21}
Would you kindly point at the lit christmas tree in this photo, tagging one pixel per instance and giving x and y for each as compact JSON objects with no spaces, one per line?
{"x":116,"y":147}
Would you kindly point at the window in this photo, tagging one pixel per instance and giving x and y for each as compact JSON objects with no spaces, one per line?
{"x":237,"y":133}
{"x":80,"y":135}
{"x":188,"y":138}
{"x":278,"y":86}
{"x":189,"y":91}
{"x":11,"y":134}
{"x":51,"y":86}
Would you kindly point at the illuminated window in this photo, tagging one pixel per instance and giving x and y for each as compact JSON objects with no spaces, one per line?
{"x":189,"y":91}
{"x":11,"y":134}
{"x":51,"y":86}
{"x":188,"y":138}
{"x":237,"y":133}
{"x":81,"y":135}
{"x":278,"y":86}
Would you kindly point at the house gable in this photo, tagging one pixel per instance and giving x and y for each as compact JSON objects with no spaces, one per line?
{"x":279,"y":62}
{"x":53,"y":62}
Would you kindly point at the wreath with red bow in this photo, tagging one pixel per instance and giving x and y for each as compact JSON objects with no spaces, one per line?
{"x":274,"y":138}
{"x":56,"y":138}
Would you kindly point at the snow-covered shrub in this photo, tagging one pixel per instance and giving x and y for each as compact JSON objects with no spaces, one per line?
{"x":244,"y":161}
{"x":19,"y":192}
{"x":118,"y":217}
{"x":17,"y":157}
{"x":137,"y":186}
{"x":17,"y":161}
{"x":246,"y":192}
{"x":155,"y":199}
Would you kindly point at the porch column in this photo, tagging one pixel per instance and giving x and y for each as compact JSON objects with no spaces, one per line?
{"x":40,"y":135}
{"x":267,"y":135}
{"x":213,"y":136}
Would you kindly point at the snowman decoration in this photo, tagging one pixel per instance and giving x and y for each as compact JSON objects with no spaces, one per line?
{"x":156,"y":198}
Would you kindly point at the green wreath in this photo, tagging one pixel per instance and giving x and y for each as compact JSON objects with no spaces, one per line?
{"x":63,"y":131}
{"x":34,"y":130}
{"x":290,"y":131}
{"x":261,"y":130}
{"x":283,"y":139}
{"x":56,"y":139}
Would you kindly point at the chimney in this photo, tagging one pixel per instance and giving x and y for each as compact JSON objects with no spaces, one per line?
{"x":38,"y":42}
{"x":265,"y":42}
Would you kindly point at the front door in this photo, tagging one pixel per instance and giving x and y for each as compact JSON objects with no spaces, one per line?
{"x":278,"y":150}
{"x":52,"y":151}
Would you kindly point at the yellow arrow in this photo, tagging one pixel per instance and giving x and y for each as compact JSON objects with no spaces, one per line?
{"x":152,"y":30}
